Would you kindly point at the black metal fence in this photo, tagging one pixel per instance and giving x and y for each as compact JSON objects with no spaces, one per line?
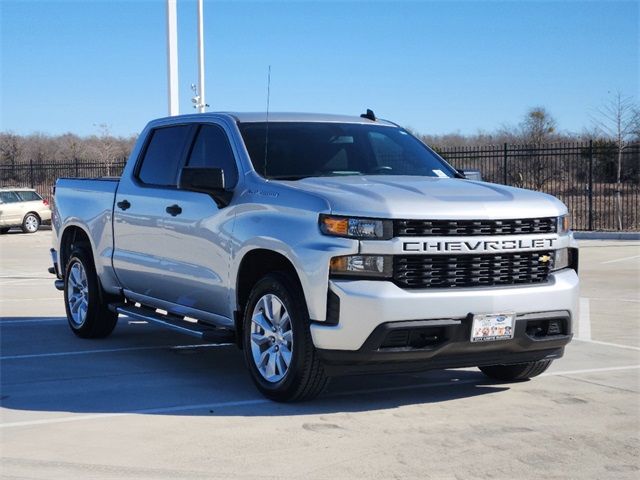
{"x":582,"y":175}
{"x":42,"y":175}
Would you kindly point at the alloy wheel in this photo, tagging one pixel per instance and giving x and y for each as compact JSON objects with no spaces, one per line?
{"x":78,"y":294}
{"x":271,"y":338}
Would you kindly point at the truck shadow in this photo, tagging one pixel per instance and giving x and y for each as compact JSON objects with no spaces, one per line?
{"x":142,"y":369}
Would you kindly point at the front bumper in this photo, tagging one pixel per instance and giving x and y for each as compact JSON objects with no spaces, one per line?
{"x":365,"y":305}
{"x":428,"y":344}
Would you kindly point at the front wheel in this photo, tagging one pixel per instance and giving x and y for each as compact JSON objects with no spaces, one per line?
{"x":85,"y":302}
{"x":30,"y":223}
{"x":277,"y":343}
{"x":521,"y":371}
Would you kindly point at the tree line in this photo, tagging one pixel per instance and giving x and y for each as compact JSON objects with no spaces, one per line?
{"x":39,"y":148}
{"x":615,"y":126}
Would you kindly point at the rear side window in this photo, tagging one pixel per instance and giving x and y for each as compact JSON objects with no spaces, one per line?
{"x":28,"y":196}
{"x":163,"y":156}
{"x":212,"y":150}
{"x":8,"y":197}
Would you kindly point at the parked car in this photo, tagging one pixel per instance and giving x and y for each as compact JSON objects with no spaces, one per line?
{"x":24,"y":208}
{"x":322,"y":245}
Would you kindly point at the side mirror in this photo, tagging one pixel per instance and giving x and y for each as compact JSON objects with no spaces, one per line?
{"x":471,"y":174}
{"x":205,"y":180}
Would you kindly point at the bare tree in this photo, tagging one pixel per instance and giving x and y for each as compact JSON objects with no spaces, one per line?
{"x":10,"y":151}
{"x":537,"y":129}
{"x":538,"y":126}
{"x":105,"y":147}
{"x":70,"y":147}
{"x":619,"y":120}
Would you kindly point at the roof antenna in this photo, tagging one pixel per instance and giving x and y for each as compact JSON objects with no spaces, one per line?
{"x":370,"y":115}
{"x":266,"y":135}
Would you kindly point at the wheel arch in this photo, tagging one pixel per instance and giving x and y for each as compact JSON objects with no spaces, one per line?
{"x":72,"y":236}
{"x":34,"y":213}
{"x":254,"y":265}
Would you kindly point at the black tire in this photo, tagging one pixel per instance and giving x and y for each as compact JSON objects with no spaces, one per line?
{"x":4,"y":230}
{"x":98,"y":321}
{"x":31,"y":223}
{"x":305,"y":377}
{"x":521,"y":371}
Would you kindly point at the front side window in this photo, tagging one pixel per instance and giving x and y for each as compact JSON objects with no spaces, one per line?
{"x":314,"y":149}
{"x":163,"y":156}
{"x":8,"y":197}
{"x":28,"y":196}
{"x":212,"y":150}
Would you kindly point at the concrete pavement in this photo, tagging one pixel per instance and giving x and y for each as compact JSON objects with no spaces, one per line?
{"x":148,"y":403}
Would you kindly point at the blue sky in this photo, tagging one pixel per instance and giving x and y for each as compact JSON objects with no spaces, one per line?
{"x":436,"y":67}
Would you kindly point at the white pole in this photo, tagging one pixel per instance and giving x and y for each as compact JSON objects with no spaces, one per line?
{"x":172,"y":57}
{"x":203,"y":103}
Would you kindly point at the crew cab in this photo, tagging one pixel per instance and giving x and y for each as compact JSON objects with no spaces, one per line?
{"x":322,"y":245}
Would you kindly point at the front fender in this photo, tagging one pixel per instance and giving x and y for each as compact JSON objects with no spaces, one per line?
{"x":296,"y":236}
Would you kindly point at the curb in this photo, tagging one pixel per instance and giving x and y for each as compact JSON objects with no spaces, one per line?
{"x":607,"y":235}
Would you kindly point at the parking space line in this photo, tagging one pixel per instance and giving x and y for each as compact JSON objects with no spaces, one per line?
{"x":258,"y":401}
{"x":24,"y":277}
{"x":39,"y":299}
{"x":147,"y":411}
{"x":584,"y":320}
{"x":590,"y":370}
{"x":38,"y":320}
{"x":111,"y":350}
{"x":635,"y":300}
{"x":608,"y":344}
{"x":237,"y":403}
{"x":617,"y":260}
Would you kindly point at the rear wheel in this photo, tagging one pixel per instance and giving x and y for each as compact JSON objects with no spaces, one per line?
{"x":30,"y":223}
{"x":85,"y":302}
{"x":277,"y":343}
{"x":521,"y":371}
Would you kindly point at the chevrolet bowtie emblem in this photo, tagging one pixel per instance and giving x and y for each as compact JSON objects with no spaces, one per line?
{"x":545,"y":258}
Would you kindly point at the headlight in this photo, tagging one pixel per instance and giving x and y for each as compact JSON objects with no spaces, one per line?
{"x":564,"y":224}
{"x":361,"y":228}
{"x":561,"y":259}
{"x":379,"y":266}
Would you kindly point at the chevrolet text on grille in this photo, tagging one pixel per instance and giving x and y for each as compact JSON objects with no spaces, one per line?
{"x":478,"y":246}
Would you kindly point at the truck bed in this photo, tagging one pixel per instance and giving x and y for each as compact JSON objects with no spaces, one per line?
{"x":88,"y":204}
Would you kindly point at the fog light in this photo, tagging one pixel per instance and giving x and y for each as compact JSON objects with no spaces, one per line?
{"x":561,"y":259}
{"x":564,"y":224}
{"x":379,"y":266}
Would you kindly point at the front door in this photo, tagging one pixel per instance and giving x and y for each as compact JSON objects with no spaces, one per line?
{"x":174,"y":245}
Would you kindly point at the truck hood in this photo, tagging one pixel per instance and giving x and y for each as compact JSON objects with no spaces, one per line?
{"x":409,"y":197}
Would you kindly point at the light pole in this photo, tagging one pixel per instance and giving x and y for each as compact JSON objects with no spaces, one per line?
{"x":202,"y":103}
{"x":172,"y":57}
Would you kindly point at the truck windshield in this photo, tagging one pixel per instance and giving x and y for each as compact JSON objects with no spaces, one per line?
{"x":297,"y":150}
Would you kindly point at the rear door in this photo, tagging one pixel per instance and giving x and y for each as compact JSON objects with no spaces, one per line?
{"x":173,"y":245}
{"x":32,"y":202}
{"x":10,"y":209}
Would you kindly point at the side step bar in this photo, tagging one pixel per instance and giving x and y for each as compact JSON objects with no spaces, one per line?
{"x":195,"y":329}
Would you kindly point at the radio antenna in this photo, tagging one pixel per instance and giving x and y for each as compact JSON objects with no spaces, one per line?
{"x":266,"y":135}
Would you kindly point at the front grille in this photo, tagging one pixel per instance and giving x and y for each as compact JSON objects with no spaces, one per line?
{"x":425,"y":228}
{"x":459,"y":271}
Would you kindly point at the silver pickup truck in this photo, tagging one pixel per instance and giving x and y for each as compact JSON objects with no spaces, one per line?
{"x":322,"y":245}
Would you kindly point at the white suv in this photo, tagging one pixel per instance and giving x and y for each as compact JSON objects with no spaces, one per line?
{"x":24,"y":208}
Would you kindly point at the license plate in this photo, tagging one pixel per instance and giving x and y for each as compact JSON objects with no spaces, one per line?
{"x":492,"y":326}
